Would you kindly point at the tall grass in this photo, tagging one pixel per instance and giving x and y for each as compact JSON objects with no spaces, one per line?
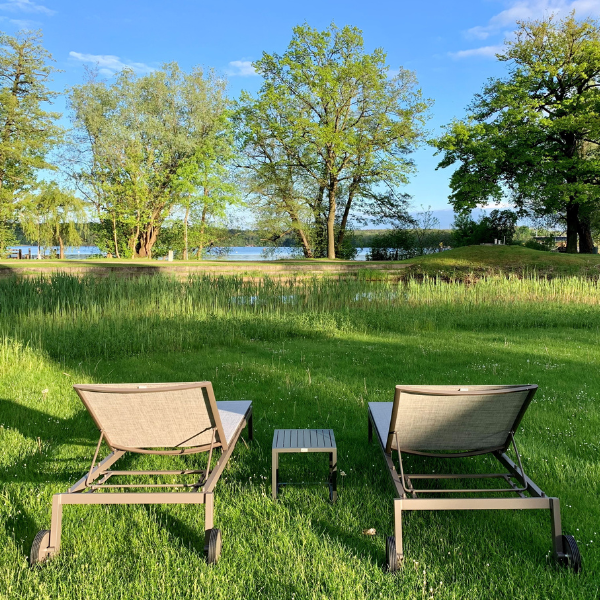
{"x":72,"y":317}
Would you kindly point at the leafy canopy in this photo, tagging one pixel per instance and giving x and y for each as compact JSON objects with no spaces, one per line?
{"x":534,"y":135}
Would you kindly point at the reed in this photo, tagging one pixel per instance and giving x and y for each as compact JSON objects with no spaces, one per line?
{"x":69,"y":317}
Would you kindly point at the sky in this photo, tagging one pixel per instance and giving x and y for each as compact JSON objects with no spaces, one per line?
{"x":450,"y":45}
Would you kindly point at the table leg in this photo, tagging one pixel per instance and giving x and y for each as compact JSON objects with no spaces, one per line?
{"x":274,"y":473}
{"x":333,"y":475}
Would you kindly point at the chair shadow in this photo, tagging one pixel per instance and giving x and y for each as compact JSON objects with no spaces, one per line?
{"x":49,"y":432}
{"x":189,"y":537}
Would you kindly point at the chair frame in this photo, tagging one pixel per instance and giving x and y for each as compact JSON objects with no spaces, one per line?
{"x":85,"y":491}
{"x":408,"y":496}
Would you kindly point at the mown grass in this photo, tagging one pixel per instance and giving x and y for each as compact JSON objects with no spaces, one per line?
{"x":310,"y":353}
{"x":473,"y":262}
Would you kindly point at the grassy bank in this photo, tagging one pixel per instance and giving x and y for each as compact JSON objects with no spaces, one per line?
{"x":310,"y":354}
{"x":473,"y":262}
{"x":462,"y":264}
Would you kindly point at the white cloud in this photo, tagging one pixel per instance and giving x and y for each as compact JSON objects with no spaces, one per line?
{"x":241,"y":68}
{"x":518,"y":10}
{"x":109,"y":64}
{"x":483,"y":52}
{"x":26,"y":6}
{"x":533,"y":9}
{"x":25,"y":23}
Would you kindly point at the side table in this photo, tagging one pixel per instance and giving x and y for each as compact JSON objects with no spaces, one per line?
{"x":304,"y":440}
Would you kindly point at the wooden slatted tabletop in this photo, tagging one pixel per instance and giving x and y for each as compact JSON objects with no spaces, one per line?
{"x":304,"y":440}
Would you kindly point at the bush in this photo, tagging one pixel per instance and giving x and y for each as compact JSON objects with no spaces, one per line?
{"x":498,"y":225}
{"x":400,"y":244}
{"x":545,"y":245}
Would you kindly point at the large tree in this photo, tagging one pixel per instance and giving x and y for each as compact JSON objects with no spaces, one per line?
{"x":147,"y":141}
{"x":27,"y":130}
{"x":533,"y":136}
{"x":329,"y":127}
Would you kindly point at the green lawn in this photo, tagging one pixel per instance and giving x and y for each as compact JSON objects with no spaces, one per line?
{"x":462,"y":263}
{"x":308,"y":355}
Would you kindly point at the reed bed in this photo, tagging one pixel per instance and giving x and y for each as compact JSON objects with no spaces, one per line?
{"x":69,"y":316}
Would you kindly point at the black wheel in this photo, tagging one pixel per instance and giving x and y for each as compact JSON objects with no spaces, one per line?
{"x":571,"y":551}
{"x":213,"y":546}
{"x":391,"y":558}
{"x":38,"y":552}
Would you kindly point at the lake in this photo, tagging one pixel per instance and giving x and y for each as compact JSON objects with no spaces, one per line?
{"x":236,"y":252}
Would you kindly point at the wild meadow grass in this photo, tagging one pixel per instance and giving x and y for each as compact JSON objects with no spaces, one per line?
{"x":308,"y":353}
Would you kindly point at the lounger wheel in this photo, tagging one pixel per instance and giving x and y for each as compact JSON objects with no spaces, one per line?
{"x":39,"y":548}
{"x":391,"y":558}
{"x":213,"y":546}
{"x":572,"y":554}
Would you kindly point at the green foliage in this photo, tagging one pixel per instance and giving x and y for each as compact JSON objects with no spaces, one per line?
{"x":397,"y":244}
{"x":50,"y":216}
{"x":27,"y":131}
{"x":535,"y":134}
{"x":328,"y":128}
{"x":544,"y":245}
{"x":149,"y":144}
{"x":401,"y":244}
{"x":7,"y":239}
{"x":498,"y":225}
{"x":203,"y":240}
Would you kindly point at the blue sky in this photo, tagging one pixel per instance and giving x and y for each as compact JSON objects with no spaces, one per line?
{"x":449,"y":44}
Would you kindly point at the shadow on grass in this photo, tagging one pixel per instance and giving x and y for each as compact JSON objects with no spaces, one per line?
{"x":183,"y":535}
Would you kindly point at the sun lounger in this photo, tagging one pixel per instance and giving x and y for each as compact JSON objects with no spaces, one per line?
{"x":163,"y":419}
{"x":455,"y":422}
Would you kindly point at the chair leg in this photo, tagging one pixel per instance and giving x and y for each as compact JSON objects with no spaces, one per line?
{"x":250,"y":429}
{"x":209,"y":512}
{"x":557,"y":542}
{"x":398,"y":529}
{"x":55,"y":525}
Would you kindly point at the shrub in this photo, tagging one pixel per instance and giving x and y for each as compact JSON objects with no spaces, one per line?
{"x":498,"y":225}
{"x":545,"y":245}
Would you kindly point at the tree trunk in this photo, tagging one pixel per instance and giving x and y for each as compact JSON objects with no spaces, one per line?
{"x":586,"y":243}
{"x":301,"y":235}
{"x":202,"y":227}
{"x":146,"y":241}
{"x":342,"y":231}
{"x":331,"y":220}
{"x":320,"y":226}
{"x":572,"y":225}
{"x":62,"y":248}
{"x":185,"y":232}
{"x":114,"y":221}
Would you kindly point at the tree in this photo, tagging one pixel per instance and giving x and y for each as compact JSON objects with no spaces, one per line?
{"x":534,"y":135}
{"x":329,"y":127}
{"x":27,"y":131}
{"x":498,"y":225}
{"x":146,"y":140}
{"x":53,"y":217}
{"x":207,"y":188}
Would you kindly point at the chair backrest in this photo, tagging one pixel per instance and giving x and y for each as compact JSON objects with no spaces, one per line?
{"x":154,"y":415}
{"x":457,"y":418}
